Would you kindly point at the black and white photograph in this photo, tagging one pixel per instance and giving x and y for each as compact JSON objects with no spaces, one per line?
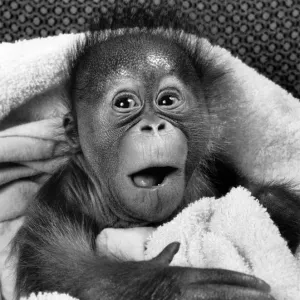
{"x":149,"y":150}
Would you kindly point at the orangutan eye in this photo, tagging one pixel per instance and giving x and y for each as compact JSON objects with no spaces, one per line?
{"x":168,"y":101}
{"x":126,"y":103}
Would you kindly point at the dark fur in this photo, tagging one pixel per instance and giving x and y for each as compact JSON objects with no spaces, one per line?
{"x":56,"y":246}
{"x":132,"y":17}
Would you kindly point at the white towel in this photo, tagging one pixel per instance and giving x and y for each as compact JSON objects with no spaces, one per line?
{"x":234,"y":232}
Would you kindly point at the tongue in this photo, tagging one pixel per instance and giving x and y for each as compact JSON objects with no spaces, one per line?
{"x":144,"y":180}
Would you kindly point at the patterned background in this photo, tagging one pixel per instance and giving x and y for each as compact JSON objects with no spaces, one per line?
{"x":264,"y":34}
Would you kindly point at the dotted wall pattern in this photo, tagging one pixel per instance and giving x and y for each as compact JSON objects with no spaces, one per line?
{"x":264,"y":34}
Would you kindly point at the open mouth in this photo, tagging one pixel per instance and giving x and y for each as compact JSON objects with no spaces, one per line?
{"x":151,"y":177}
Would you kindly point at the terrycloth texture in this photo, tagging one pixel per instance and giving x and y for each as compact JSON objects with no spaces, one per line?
{"x":49,"y":296}
{"x":32,"y":68}
{"x":261,"y":120}
{"x":236,"y":233}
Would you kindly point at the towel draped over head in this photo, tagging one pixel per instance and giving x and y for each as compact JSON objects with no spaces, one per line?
{"x":258,"y":118}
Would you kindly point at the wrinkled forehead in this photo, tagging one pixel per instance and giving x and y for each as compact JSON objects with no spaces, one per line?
{"x":135,"y":54}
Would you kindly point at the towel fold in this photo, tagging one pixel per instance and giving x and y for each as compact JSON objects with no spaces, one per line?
{"x":234,"y":232}
{"x":28,"y":152}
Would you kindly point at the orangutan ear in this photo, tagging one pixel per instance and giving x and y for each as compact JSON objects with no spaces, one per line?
{"x":71,"y":132}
